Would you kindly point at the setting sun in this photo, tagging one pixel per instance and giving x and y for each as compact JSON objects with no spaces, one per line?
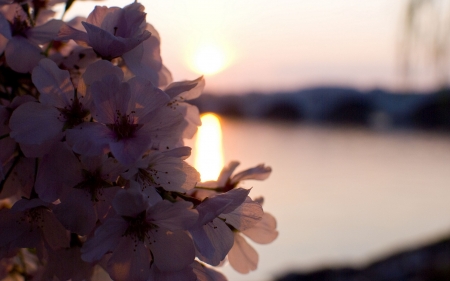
{"x":209,"y":59}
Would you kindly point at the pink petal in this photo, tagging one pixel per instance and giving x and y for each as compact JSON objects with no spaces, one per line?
{"x":206,"y":273}
{"x":89,"y":138}
{"x":58,"y":169}
{"x":264,"y":231}
{"x":213,"y":241}
{"x":39,"y":150}
{"x":172,"y":216}
{"x":109,"y":46}
{"x":76,"y":212}
{"x":35,"y":123}
{"x":242,"y":257}
{"x":181,"y":152}
{"x":226,"y":172}
{"x":185,"y":274}
{"x":5,"y":27}
{"x":10,"y":229}
{"x":259,"y":172}
{"x":110,"y":98}
{"x":245,"y":216}
{"x":106,"y":238}
{"x":128,"y":151}
{"x":54,"y":232}
{"x":100,"y":69}
{"x":22,"y":55}
{"x":45,"y":33}
{"x":67,"y":32}
{"x":129,"y":202}
{"x":237,"y":195}
{"x":54,"y":84}
{"x":130,"y":261}
{"x":145,"y":97}
{"x":187,"y":90}
{"x":172,"y":251}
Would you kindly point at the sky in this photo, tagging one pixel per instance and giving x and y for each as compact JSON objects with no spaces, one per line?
{"x":267,"y":46}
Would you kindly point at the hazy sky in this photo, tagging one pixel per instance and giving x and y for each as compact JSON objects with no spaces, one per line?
{"x":278,"y":45}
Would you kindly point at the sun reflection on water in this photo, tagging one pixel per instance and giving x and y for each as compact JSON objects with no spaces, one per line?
{"x":208,"y":148}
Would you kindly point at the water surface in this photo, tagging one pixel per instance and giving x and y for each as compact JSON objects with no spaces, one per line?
{"x":342,"y":195}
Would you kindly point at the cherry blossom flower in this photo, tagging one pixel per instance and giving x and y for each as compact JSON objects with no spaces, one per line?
{"x":91,"y":197}
{"x":31,"y":224}
{"x":111,"y":32}
{"x":92,"y":132}
{"x":142,"y":236}
{"x":145,"y":60}
{"x":164,"y":169}
{"x":213,"y":238}
{"x":131,"y":118}
{"x":60,"y":107}
{"x":66,"y":263}
{"x":180,"y":93}
{"x":23,"y":51}
{"x":242,"y":256}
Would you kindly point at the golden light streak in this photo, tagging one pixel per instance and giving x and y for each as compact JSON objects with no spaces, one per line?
{"x":208,"y":148}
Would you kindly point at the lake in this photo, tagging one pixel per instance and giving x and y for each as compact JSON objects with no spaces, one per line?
{"x":341,"y":195}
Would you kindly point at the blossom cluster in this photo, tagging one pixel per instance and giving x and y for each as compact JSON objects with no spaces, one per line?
{"x":93,"y":166}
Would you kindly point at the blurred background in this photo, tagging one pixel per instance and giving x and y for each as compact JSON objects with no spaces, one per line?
{"x":348,"y":102}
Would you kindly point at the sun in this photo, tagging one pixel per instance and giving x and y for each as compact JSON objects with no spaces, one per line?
{"x":209,"y":59}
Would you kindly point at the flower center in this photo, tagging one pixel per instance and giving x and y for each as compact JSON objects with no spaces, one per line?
{"x":123,"y":127}
{"x":34,"y":218}
{"x":93,"y":184}
{"x":139,"y":228}
{"x":74,"y":114}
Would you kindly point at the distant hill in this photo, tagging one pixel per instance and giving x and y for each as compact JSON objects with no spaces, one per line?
{"x":427,"y":263}
{"x":338,"y":106}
